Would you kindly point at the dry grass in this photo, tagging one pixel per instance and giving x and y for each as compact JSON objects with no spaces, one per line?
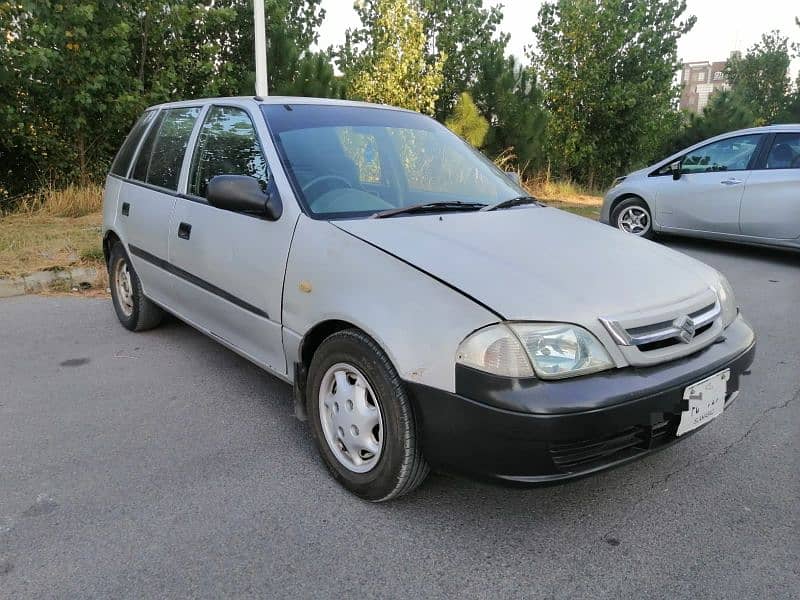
{"x":37,"y":241}
{"x":563,"y":194}
{"x":73,"y":201}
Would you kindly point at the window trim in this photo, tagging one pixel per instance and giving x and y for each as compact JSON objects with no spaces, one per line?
{"x":164,"y":109}
{"x":194,"y":139}
{"x":135,"y":152}
{"x":761,"y":165}
{"x":135,"y":157}
{"x":752,"y":164}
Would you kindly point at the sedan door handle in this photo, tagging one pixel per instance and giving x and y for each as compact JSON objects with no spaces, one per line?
{"x":126,"y":209}
{"x":184,"y":231}
{"x":732,"y":181}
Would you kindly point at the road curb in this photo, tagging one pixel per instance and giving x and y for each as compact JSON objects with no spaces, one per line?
{"x":42,"y":280}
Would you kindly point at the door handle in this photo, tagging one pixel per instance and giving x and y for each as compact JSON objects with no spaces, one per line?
{"x":732,"y":181}
{"x":184,"y":231}
{"x":126,"y":209}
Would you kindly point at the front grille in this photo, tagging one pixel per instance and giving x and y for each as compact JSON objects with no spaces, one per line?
{"x":656,"y":335}
{"x":665,"y":334}
{"x":584,"y":454}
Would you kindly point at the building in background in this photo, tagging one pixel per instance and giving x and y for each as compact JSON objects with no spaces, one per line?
{"x":698,"y":81}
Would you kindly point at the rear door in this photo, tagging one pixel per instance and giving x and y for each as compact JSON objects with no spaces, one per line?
{"x":147,"y":198}
{"x":231,"y":265}
{"x":771,"y":201}
{"x":708,"y":194}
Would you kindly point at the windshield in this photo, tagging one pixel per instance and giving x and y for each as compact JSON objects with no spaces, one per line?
{"x":357,"y":161}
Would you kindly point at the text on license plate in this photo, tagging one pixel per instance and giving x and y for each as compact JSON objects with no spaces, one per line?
{"x":706,"y":401}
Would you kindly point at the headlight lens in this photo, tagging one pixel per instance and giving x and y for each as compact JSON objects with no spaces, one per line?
{"x":727,"y":300}
{"x":559,"y":350}
{"x":617,"y":181}
{"x":548,"y":350}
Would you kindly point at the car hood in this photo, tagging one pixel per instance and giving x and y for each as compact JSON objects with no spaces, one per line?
{"x":536,"y":263}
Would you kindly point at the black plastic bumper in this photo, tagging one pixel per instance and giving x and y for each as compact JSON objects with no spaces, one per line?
{"x":533,"y":431}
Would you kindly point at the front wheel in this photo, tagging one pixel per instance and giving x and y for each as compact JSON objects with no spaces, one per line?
{"x":633,"y":216}
{"x":362,"y":419}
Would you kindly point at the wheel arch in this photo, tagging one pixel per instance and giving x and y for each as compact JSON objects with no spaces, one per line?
{"x":628,"y":196}
{"x":309,"y":344}
{"x":109,"y":238}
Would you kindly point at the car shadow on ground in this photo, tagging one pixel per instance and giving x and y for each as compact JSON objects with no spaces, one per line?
{"x":480,"y":502}
{"x":690,"y":245}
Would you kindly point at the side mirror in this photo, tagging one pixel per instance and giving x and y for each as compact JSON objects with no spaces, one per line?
{"x":675,"y":169}
{"x":514,"y":176}
{"x":241,"y":193}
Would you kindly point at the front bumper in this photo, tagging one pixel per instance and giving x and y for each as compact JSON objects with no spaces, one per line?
{"x":533,"y":431}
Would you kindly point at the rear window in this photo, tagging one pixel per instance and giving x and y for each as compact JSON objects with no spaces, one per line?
{"x":785,"y":152}
{"x":125,"y":154}
{"x":160,"y":159}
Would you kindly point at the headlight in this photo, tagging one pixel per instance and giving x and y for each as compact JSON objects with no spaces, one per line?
{"x":495,"y":349}
{"x":727,"y":300}
{"x":617,"y":181}
{"x":548,"y":350}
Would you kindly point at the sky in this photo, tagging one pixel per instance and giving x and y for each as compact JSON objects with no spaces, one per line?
{"x":722,"y":25}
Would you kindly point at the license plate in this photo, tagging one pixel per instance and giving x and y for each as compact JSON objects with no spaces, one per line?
{"x":706,"y":401}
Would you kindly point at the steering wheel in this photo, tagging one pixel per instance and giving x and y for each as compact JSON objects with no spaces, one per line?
{"x":321,"y":178}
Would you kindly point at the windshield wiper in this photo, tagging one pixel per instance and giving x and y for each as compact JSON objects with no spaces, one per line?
{"x":516,"y":201}
{"x":429,"y":207}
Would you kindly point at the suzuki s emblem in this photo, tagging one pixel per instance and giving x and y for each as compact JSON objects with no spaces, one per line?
{"x":685,"y":327}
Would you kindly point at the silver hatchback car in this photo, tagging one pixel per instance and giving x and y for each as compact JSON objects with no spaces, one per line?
{"x":426,"y":311}
{"x":742,"y":186}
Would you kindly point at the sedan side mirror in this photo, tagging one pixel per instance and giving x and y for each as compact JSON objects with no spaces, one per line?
{"x":675,"y":169}
{"x":241,"y":193}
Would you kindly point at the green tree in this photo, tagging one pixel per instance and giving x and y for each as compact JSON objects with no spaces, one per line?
{"x":66,"y":65}
{"x":463,"y":32}
{"x":385,"y":61}
{"x":457,"y":33}
{"x":607,"y":68}
{"x":467,"y":121}
{"x":508,"y":94}
{"x":726,"y":111}
{"x":761,"y":76}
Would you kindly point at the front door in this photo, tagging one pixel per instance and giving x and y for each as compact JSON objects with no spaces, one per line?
{"x":709,"y":192}
{"x":229,"y":265}
{"x":771,"y":201}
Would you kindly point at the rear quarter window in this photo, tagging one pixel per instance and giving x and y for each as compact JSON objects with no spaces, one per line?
{"x":161,"y":157}
{"x":123,"y":159}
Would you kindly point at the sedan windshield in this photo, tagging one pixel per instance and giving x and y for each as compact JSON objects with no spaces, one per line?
{"x":347,"y":161}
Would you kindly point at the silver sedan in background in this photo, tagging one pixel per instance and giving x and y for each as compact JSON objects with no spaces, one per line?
{"x":742,"y":186}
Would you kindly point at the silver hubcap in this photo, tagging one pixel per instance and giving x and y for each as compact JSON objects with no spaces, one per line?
{"x":635,"y":220}
{"x":351,"y":418}
{"x":122,"y":279}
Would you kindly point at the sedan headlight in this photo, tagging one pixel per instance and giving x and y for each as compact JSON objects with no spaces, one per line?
{"x":547,"y":350}
{"x":618,"y":180}
{"x":727,"y":300}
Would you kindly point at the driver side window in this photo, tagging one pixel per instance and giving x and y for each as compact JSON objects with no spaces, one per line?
{"x":731,"y":154}
{"x":227,"y":145}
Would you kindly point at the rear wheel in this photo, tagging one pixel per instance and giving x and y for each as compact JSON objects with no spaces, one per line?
{"x":633,"y":216}
{"x":134,"y":310}
{"x":362,"y":419}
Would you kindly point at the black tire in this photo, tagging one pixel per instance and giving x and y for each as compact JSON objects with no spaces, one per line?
{"x":144,"y":313}
{"x":401,"y":466}
{"x":633,"y":202}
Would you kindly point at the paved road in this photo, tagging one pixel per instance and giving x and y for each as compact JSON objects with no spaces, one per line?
{"x":162,"y":465}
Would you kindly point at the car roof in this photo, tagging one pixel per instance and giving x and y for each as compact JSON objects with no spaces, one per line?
{"x":257,"y":100}
{"x":777,"y":128}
